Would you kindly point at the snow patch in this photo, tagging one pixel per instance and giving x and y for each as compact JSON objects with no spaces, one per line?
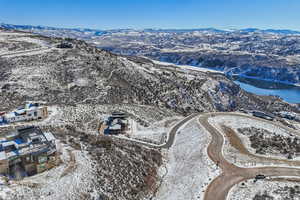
{"x":188,"y":169}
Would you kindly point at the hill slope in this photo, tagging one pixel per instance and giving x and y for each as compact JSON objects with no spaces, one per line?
{"x":265,"y":54}
{"x":85,"y":83}
{"x":85,"y":74}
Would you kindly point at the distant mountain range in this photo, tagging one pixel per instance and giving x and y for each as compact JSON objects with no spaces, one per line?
{"x":277,"y":31}
{"x":47,"y":28}
{"x":98,"y":32}
{"x":264,"y":54}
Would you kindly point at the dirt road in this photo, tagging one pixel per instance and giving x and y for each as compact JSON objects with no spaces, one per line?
{"x":26,"y":52}
{"x":231,"y":174}
{"x":171,"y":135}
{"x":175,"y":129}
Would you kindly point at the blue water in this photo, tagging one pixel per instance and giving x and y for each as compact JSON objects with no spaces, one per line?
{"x":288,"y":93}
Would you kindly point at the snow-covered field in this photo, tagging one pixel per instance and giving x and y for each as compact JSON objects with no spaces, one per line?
{"x":21,"y":44}
{"x":27,"y":52}
{"x":188,"y":169}
{"x":14,"y":34}
{"x":241,"y":122}
{"x":41,"y":43}
{"x":157,"y":132}
{"x":276,"y":189}
{"x":186,"y":67}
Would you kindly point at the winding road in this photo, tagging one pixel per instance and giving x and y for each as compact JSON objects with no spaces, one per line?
{"x":231,"y":175}
{"x":171,"y":135}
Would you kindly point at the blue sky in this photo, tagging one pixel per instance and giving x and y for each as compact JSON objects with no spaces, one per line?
{"x":110,"y":14}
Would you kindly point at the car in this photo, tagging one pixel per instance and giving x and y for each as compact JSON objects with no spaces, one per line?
{"x":260,"y":176}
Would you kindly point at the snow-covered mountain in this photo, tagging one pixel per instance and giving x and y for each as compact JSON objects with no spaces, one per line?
{"x":262,"y":54}
{"x":265,"y":54}
{"x":101,"y":31}
{"x":82,"y":84}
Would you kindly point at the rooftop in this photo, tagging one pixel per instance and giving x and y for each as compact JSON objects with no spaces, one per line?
{"x":22,"y":110}
{"x":29,"y":140}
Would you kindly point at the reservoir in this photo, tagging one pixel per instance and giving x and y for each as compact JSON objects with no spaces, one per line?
{"x":288,"y":93}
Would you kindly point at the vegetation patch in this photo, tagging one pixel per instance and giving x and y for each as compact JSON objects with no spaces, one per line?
{"x":286,"y":193}
{"x":266,"y":142}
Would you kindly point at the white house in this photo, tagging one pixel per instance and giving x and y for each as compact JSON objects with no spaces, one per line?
{"x":31,"y":111}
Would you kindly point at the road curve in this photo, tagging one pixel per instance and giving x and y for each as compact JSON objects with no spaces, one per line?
{"x":170,"y":137}
{"x":231,"y":175}
{"x":174,"y":130}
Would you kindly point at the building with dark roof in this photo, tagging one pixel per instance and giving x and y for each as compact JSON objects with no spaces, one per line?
{"x":116,"y":123}
{"x":28,"y":149}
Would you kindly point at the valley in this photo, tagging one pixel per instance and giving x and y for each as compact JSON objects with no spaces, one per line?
{"x":259,"y":55}
{"x":190,"y":139}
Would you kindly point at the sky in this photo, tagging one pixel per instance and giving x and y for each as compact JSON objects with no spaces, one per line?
{"x":139,"y":14}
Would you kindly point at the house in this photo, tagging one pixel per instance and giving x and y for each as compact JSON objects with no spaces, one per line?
{"x":31,"y":111}
{"x":289,"y":115}
{"x":263,"y":115}
{"x":64,"y":45}
{"x":2,"y":118}
{"x":27,"y":151}
{"x":117,"y":123}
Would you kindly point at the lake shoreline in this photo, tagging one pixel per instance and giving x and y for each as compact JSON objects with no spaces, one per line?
{"x":267,"y":80}
{"x":216,"y":70}
{"x":288,"y":93}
